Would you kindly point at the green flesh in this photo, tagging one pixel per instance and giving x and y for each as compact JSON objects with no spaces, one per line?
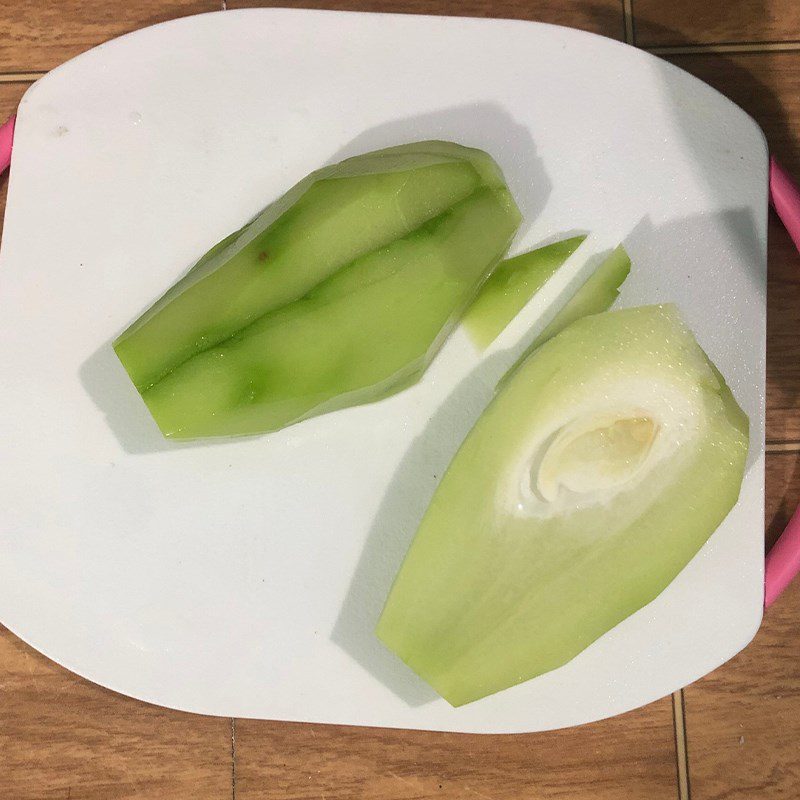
{"x":337,"y":294}
{"x":597,"y":294}
{"x":594,"y":476}
{"x":511,"y":286}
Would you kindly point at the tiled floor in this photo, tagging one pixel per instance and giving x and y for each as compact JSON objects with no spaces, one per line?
{"x":41,"y":34}
{"x":63,"y":737}
{"x":688,"y":22}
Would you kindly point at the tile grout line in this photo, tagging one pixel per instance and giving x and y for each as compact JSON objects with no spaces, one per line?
{"x":627,"y":20}
{"x":233,"y":758}
{"x":782,"y":447}
{"x":681,"y":749}
{"x":743,"y":47}
{"x":20,"y":77}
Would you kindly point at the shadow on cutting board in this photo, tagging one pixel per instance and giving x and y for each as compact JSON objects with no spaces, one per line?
{"x":751,"y":81}
{"x":487,"y":126}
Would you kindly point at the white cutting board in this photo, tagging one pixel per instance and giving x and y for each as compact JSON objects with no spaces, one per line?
{"x":244,"y":578}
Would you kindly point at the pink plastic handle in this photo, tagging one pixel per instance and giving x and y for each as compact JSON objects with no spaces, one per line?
{"x":783,"y":560}
{"x":6,"y":141}
{"x":785,"y":197}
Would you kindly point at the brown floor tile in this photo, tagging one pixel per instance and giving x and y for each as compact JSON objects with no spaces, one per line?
{"x":782,"y":493}
{"x":41,"y":34}
{"x":625,"y":757}
{"x":61,"y":736}
{"x":783,"y":336}
{"x":599,"y":16}
{"x":743,"y":720}
{"x":680,"y":22}
{"x":10,"y":95}
{"x":768,"y":87}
